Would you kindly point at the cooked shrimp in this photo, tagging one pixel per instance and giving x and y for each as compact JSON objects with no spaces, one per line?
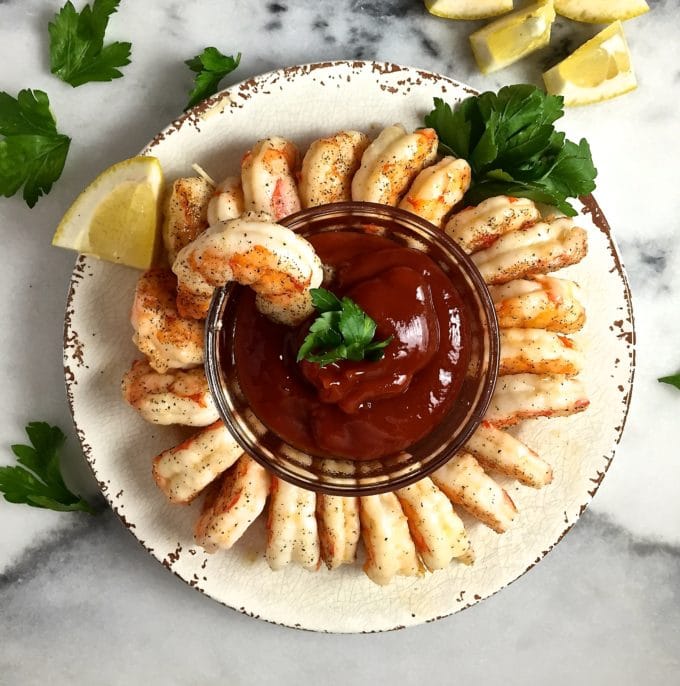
{"x":500,"y":450}
{"x":338,"y":521}
{"x":477,"y":227}
{"x":292,"y":533}
{"x":184,"y":471}
{"x":437,"y":531}
{"x":268,"y":178}
{"x":467,"y":484}
{"x":226,"y":201}
{"x":437,"y":189}
{"x":176,"y":397}
{"x":168,"y":340}
{"x":391,"y":162}
{"x":540,"y":248}
{"x":541,"y":302}
{"x":278,"y":264}
{"x":539,"y":352}
{"x":390,"y":550}
{"x":525,"y":396}
{"x":186,"y":213}
{"x":232,"y":505}
{"x":329,"y":166}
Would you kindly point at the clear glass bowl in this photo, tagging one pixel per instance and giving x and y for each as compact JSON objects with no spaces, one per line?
{"x":347,"y":477}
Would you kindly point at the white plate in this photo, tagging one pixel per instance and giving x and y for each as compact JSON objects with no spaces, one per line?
{"x":303,"y":103}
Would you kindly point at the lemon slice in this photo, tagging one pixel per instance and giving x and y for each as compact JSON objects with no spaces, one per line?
{"x":468,"y":9}
{"x":601,"y":11}
{"x":116,"y":217}
{"x":510,"y":38}
{"x":600,"y":69}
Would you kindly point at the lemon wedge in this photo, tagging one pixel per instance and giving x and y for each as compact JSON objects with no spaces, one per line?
{"x":600,"y":69}
{"x":601,"y":11}
{"x":116,"y":217}
{"x":468,"y":9}
{"x":510,"y":38}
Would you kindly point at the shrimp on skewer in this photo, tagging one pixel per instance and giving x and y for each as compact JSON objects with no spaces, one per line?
{"x":475,"y":228}
{"x":391,"y":162}
{"x":467,"y":484}
{"x":233,"y":504}
{"x":539,"y":352}
{"x":329,"y":166}
{"x":268,"y":178}
{"x":186,"y":213}
{"x":437,"y":189}
{"x":226,"y":201}
{"x":176,"y":397}
{"x":278,"y":264}
{"x":338,"y":521}
{"x":437,"y":531}
{"x":168,"y":340}
{"x":292,"y":533}
{"x":184,"y":471}
{"x":541,"y":302}
{"x":390,"y":550}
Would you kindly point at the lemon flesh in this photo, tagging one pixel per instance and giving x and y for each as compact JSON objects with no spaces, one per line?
{"x":510,"y":38}
{"x":600,"y":11}
{"x":600,"y":69}
{"x":116,"y":217}
{"x":468,"y":9}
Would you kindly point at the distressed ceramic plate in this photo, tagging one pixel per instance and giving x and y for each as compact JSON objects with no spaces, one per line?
{"x":119,"y":445}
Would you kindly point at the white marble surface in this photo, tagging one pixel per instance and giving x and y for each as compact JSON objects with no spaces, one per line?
{"x":81,"y":601}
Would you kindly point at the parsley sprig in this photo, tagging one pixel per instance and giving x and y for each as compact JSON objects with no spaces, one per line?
{"x":38,"y":481}
{"x":672,"y":380}
{"x":211,"y":66}
{"x":342,"y":331}
{"x":513,"y":148}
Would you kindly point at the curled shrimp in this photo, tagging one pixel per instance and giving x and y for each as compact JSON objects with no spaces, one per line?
{"x":538,"y":351}
{"x":278,"y":264}
{"x":226,"y":201}
{"x":338,"y":522}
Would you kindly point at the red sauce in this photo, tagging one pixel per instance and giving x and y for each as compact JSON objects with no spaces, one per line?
{"x":360,"y":410}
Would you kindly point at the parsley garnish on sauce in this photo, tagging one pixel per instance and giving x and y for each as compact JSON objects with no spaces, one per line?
{"x":673,"y":380}
{"x":211,"y":66}
{"x":513,"y":148}
{"x":342,"y":331}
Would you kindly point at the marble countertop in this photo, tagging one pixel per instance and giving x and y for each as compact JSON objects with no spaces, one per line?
{"x":82,"y":602}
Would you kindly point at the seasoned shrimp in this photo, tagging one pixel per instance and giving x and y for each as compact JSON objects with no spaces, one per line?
{"x":232,"y":505}
{"x":539,"y":352}
{"x":268,"y":178}
{"x":524,"y":396}
{"x":338,"y":521}
{"x":391,"y":162}
{"x":467,"y":484}
{"x":500,"y":450}
{"x":437,"y":531}
{"x":168,"y":340}
{"x":186,"y":213}
{"x":540,"y":248}
{"x":226,"y":201}
{"x":292,"y":533}
{"x":541,"y":302}
{"x":437,"y":189}
{"x":329,"y":166}
{"x":184,"y":471}
{"x":477,"y":227}
{"x":176,"y":397}
{"x":278,"y":264}
{"x":390,"y":550}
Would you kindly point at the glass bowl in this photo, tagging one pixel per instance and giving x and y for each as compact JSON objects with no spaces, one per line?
{"x":348,"y":477}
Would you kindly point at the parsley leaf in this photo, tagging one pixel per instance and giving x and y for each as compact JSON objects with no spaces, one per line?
{"x":211,"y":66}
{"x":673,"y":380}
{"x":77,"y":51}
{"x":38,"y":482}
{"x":513,"y":148}
{"x":342,"y":331}
{"x":33,"y":153}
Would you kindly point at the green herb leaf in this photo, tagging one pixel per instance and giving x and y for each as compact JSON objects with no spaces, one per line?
{"x":33,"y":153}
{"x":77,"y":51}
{"x":211,"y":66}
{"x":38,"y":481}
{"x":673,"y":380}
{"x":342,"y":331}
{"x":513,"y":148}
